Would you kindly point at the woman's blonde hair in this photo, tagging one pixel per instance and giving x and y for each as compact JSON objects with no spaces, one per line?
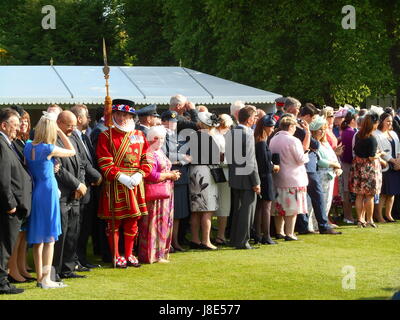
{"x":323,"y":137}
{"x":225,"y":121}
{"x":286,"y":121}
{"x":45,"y":131}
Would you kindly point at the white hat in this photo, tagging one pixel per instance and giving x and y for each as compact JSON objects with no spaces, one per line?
{"x":209,"y":119}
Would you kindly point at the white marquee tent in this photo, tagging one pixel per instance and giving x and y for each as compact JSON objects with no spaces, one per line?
{"x":41,"y":85}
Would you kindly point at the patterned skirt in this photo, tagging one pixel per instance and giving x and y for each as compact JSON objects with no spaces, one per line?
{"x":155,"y":231}
{"x":202,"y":189}
{"x":290,"y":201}
{"x":365,"y":176}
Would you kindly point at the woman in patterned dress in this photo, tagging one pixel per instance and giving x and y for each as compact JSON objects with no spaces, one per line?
{"x":155,"y":229}
{"x":203,"y":189}
{"x":365,"y":178}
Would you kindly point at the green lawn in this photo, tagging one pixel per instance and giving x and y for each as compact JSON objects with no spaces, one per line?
{"x":310,"y":268}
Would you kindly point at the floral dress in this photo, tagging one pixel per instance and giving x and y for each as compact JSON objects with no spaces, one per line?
{"x":155,"y":229}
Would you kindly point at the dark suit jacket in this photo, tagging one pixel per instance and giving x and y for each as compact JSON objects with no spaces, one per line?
{"x":311,"y":165}
{"x":171,"y":150}
{"x":240,"y":154}
{"x":70,"y":175}
{"x":396,"y":125}
{"x":19,"y":147}
{"x":94,"y":135}
{"x":265,"y":169}
{"x":184,"y":123}
{"x":91,"y":174}
{"x":15,"y":182}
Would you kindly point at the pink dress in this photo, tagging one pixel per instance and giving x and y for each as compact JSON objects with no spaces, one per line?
{"x":155,"y":229}
{"x":291,"y":181}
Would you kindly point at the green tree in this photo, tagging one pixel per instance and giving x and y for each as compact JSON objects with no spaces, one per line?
{"x":144,"y":30}
{"x":77,"y":39}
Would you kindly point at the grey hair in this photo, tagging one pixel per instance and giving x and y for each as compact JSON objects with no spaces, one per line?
{"x":177,"y":99}
{"x":156,"y":131}
{"x":79,"y":110}
{"x":291,"y":102}
{"x":236,"y":106}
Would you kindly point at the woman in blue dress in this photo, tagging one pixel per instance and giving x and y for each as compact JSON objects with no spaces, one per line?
{"x":44,"y":224}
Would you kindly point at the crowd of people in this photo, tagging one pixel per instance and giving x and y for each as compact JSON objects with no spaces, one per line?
{"x":142,"y":186}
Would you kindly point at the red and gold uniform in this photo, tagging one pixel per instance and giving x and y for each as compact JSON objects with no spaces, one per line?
{"x":128,"y":155}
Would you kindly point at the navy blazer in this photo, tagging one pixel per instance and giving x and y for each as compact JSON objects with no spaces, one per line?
{"x":265,"y":170}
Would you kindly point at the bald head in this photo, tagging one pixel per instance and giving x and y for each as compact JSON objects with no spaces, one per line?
{"x":66,"y":121}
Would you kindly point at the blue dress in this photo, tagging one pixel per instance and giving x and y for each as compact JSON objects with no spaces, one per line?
{"x":44,"y":223}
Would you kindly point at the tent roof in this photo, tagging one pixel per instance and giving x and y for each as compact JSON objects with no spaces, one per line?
{"x":143,"y":85}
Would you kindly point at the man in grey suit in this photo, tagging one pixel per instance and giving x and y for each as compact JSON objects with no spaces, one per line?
{"x":243,"y":177}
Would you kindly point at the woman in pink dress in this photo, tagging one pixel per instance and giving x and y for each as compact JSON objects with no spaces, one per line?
{"x":155,"y":229}
{"x":291,"y":181}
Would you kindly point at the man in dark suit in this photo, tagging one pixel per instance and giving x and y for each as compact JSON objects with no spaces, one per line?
{"x":92,"y":178}
{"x":147,"y":118}
{"x":183,"y":107}
{"x":100,"y":242}
{"x":71,"y":182}
{"x":243,"y":177}
{"x":396,"y":122}
{"x":181,"y":163}
{"x":396,"y":128}
{"x":187,"y":118}
{"x":15,"y":194}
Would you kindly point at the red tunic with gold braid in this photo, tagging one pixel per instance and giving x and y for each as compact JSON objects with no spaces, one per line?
{"x":129,"y":155}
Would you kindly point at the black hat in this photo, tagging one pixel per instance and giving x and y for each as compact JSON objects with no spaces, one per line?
{"x":268,"y":120}
{"x":123,"y":105}
{"x":169,"y":116}
{"x":150,"y":110}
{"x":19,"y":109}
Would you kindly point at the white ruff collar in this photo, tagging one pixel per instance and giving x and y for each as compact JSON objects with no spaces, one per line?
{"x":127,"y":128}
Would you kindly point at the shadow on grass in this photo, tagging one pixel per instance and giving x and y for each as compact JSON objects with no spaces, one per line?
{"x":395,"y":296}
{"x":375,"y":298}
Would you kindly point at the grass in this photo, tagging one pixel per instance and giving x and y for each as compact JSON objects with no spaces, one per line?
{"x":310,"y":268}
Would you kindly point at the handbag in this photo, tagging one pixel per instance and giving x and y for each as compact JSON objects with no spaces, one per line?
{"x":218,"y":174}
{"x":157,"y":191}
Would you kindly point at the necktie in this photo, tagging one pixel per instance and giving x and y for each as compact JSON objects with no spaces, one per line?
{"x":15,"y":151}
{"x":85,"y":144}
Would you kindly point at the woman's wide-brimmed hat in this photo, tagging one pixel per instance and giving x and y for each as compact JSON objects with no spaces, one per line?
{"x":209,"y":119}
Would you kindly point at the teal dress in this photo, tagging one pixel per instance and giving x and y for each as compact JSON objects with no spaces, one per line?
{"x":44,"y":223}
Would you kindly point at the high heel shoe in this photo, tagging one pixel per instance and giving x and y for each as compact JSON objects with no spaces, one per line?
{"x":361,"y":224}
{"x":267,"y":241}
{"x":12,"y":280}
{"x":371,"y":224}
